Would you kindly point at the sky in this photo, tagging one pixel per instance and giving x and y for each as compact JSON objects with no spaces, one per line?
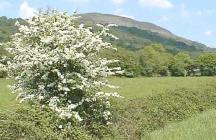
{"x":192,"y":19}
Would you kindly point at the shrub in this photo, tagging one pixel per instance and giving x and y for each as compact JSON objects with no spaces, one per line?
{"x":43,"y":124}
{"x":56,"y":64}
{"x":207,"y":64}
{"x":3,"y":73}
{"x":137,"y":117}
{"x":3,"y":70}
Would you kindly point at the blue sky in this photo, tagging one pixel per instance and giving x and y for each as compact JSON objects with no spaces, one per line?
{"x":192,"y":19}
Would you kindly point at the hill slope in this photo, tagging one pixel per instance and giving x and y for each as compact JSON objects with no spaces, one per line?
{"x":132,"y":34}
{"x":7,"y":27}
{"x":135,"y":34}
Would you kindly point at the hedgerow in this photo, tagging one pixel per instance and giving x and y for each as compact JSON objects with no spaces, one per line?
{"x":137,"y":117}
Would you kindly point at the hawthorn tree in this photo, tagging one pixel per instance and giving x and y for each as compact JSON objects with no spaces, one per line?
{"x":56,"y":64}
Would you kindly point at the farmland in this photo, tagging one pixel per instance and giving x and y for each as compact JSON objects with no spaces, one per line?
{"x":197,"y":125}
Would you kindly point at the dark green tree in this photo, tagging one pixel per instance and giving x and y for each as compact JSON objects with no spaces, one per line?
{"x":180,"y":63}
{"x":207,"y":64}
{"x":154,"y":60}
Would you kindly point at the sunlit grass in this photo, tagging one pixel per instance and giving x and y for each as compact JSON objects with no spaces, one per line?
{"x":139,"y":87}
{"x":7,"y":99}
{"x":200,"y":127}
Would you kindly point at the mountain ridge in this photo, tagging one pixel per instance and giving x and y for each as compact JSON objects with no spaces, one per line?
{"x":128,"y":22}
{"x":132,"y":34}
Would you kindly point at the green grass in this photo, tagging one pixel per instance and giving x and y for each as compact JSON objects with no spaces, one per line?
{"x":140,"y":87}
{"x":200,"y":127}
{"x":7,"y":99}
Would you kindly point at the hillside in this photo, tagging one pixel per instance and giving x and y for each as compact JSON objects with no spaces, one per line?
{"x":135,"y":34}
{"x":7,"y":27}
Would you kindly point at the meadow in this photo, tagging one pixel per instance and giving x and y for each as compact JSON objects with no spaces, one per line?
{"x":198,"y":126}
{"x":7,"y":99}
{"x":140,"y":87}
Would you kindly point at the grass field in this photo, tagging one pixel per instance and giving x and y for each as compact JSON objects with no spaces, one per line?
{"x":200,"y":127}
{"x":139,"y":87}
{"x":133,"y":87}
{"x":7,"y":99}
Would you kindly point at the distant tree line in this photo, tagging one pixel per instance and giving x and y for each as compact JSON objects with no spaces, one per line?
{"x":155,"y":61}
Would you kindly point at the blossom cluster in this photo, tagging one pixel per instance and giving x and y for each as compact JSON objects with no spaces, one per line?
{"x":56,"y":63}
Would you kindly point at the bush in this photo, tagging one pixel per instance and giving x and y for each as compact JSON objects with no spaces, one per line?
{"x":3,"y":71}
{"x":43,"y":124}
{"x":35,"y":123}
{"x":63,"y":70}
{"x":137,"y":117}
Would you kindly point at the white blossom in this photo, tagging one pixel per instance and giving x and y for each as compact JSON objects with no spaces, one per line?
{"x":54,"y":59}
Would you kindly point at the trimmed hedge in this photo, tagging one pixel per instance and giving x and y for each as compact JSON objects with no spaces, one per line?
{"x":37,"y":124}
{"x":135,"y":118}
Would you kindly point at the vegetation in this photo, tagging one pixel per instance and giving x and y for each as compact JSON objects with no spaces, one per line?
{"x":155,"y":61}
{"x":7,"y":28}
{"x":56,"y":67}
{"x":207,"y":64}
{"x":138,"y":115}
{"x":136,"y":118}
{"x":133,"y":38}
{"x":142,"y":52}
{"x":141,"y":87}
{"x":198,"y":127}
{"x":34,"y":123}
{"x":64,"y":83}
{"x":7,"y":99}
{"x":135,"y":35}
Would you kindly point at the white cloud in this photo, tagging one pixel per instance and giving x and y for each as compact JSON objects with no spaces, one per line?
{"x":163,"y":19}
{"x":184,"y":12}
{"x":121,"y":13}
{"x":206,"y":12}
{"x":26,"y":11}
{"x":165,"y":4}
{"x":208,"y":33}
{"x":118,"y":2}
{"x":4,"y":4}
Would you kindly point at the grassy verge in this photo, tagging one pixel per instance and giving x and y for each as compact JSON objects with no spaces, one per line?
{"x":135,"y":118}
{"x":7,"y":99}
{"x":199,"y":127}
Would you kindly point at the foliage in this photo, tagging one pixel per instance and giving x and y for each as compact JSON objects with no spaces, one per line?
{"x":56,"y":63}
{"x":198,"y":127}
{"x":34,"y":123}
{"x":3,"y":63}
{"x":154,"y":60}
{"x":133,"y":90}
{"x":137,"y":117}
{"x":180,"y":63}
{"x":207,"y":64}
{"x":7,"y":28}
{"x":133,"y":38}
{"x":3,"y":71}
{"x":127,"y":61}
{"x":137,"y":51}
